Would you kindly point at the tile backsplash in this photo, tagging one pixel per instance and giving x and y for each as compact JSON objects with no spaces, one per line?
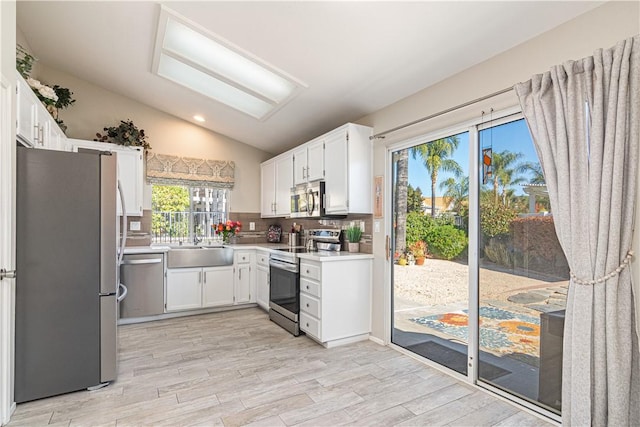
{"x":259,"y":235}
{"x":262,"y":225}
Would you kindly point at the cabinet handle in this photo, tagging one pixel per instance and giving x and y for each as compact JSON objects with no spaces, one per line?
{"x":205,"y":278}
{"x":304,"y":173}
{"x":307,"y":324}
{"x":307,"y":305}
{"x":36,"y":136}
{"x":200,"y":277}
{"x":307,"y":271}
{"x":307,"y":286}
{"x":239,"y":274}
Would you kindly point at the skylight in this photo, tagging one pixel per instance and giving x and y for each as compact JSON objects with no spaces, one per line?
{"x":193,"y":57}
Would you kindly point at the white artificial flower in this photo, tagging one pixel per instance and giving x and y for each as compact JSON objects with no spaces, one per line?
{"x":34,"y":83}
{"x":48,"y":92}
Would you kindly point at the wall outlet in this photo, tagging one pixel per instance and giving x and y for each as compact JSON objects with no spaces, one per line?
{"x":376,"y":226}
{"x":252,"y":226}
{"x":134,"y":226}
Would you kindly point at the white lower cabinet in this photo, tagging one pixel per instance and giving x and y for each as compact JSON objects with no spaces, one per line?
{"x":244,"y":281}
{"x":262,"y":279}
{"x":195,"y":288}
{"x":335,"y":300}
{"x":217,"y":286}
{"x":184,"y":289}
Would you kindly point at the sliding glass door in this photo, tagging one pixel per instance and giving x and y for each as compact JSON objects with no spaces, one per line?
{"x":523,"y":274}
{"x":497,"y":318}
{"x":430,"y":271}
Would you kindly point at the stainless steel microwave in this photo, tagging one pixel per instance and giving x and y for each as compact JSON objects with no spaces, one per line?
{"x":307,"y":200}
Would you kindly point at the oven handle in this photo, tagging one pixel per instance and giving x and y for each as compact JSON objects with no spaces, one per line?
{"x":283,"y":265}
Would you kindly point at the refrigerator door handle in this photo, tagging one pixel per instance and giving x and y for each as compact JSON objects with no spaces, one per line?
{"x":123,"y":240}
{"x":122,"y":295}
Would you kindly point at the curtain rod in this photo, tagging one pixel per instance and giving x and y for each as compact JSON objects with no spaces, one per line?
{"x":381,"y":135}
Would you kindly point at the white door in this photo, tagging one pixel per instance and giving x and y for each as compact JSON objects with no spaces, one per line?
{"x":7,"y":246}
{"x":184,"y":289}
{"x":267,"y":193}
{"x":300,"y":165}
{"x":336,"y":175}
{"x":243,"y":284}
{"x":217,"y":287}
{"x":315,"y":161}
{"x":283,"y":184}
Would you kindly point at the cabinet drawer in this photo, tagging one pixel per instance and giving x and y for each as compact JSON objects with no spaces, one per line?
{"x":310,"y":325}
{"x":309,"y":305}
{"x":310,"y":287}
{"x":243,"y":257}
{"x":263,"y":259}
{"x":311,"y":271}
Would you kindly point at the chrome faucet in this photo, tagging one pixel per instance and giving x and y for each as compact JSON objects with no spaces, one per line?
{"x":196,"y":239}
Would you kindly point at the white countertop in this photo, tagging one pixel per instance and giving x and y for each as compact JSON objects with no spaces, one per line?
{"x":321,"y":256}
{"x":155,"y":249}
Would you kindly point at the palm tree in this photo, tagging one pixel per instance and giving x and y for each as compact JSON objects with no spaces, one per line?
{"x":435,"y":156}
{"x":402,"y":181}
{"x":505,"y":171}
{"x":456,"y":192}
{"x":537,"y":176}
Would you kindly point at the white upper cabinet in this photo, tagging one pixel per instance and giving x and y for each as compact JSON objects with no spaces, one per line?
{"x":34,"y":126}
{"x":276,"y":182}
{"x":130,"y":172}
{"x":308,"y":162}
{"x":268,"y":189}
{"x":343,"y":158}
{"x":348,"y":176}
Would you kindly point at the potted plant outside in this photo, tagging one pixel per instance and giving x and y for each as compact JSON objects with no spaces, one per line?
{"x":354,"y":234}
{"x":419,"y":251}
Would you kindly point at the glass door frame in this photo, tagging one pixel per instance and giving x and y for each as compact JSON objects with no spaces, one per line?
{"x":473,"y":126}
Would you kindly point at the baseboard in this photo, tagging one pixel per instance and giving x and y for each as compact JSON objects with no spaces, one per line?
{"x":376,"y":340}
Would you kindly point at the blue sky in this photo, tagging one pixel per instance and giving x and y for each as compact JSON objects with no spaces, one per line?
{"x":512,"y":136}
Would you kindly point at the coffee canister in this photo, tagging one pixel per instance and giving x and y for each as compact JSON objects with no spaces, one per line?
{"x":293,"y":239}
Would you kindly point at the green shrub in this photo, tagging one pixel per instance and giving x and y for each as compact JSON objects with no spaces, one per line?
{"x":418,"y":225}
{"x":446,"y":241}
{"x":495,"y":219}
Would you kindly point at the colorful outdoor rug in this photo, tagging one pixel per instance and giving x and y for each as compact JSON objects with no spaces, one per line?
{"x":502,"y":332}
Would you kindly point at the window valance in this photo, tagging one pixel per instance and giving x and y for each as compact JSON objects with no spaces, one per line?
{"x":175,"y":170}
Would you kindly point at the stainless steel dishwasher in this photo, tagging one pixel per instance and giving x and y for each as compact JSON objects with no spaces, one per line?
{"x":143,"y":275}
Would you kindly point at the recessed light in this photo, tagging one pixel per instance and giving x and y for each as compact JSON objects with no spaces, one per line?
{"x":198,"y":118}
{"x":192,"y":56}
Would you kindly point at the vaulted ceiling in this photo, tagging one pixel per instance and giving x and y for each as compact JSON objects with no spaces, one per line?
{"x":355,"y":57}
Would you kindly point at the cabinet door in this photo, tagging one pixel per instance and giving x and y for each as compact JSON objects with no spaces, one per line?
{"x":300,"y":165}
{"x":217,"y":286}
{"x":184,"y":289}
{"x":267,"y":189}
{"x":336,"y":174}
{"x":130,"y":174}
{"x":262,"y":287}
{"x":243,"y":284}
{"x":284,"y":182}
{"x":315,"y":160}
{"x":26,"y":109}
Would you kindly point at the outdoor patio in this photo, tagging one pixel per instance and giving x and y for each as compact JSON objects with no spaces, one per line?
{"x":431,"y":317}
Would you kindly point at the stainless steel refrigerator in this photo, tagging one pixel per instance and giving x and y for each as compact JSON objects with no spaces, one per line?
{"x":66,"y":284}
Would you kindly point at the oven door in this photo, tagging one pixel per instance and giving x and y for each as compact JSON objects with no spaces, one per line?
{"x":284,"y":290}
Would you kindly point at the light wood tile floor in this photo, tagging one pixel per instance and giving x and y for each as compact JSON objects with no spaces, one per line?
{"x":237,"y":368}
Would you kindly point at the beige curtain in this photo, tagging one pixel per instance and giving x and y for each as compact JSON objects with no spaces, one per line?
{"x":584,"y":117}
{"x":175,"y":170}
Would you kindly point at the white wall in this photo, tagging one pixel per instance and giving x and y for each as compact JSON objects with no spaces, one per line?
{"x":599,"y":28}
{"x":96,"y":108}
